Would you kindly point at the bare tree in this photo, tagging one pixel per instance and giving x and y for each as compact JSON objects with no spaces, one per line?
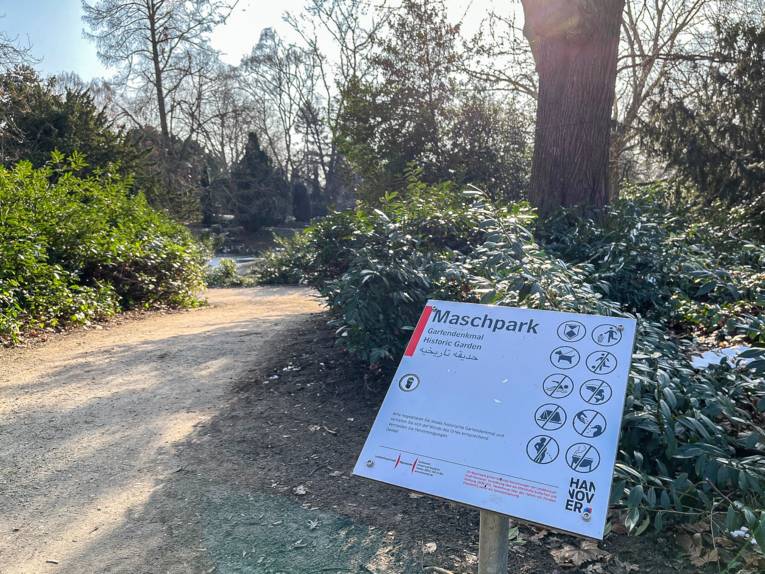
{"x":659,"y":37}
{"x":13,"y":55}
{"x":500,"y":57}
{"x":279,"y":79}
{"x":14,"y":52}
{"x":339,"y":36}
{"x":152,"y":42}
{"x":217,"y":112}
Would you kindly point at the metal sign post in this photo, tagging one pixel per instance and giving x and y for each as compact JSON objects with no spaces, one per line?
{"x":493,"y":543}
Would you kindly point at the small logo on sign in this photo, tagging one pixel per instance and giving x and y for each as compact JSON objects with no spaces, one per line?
{"x":581,"y":493}
{"x":409,"y":382}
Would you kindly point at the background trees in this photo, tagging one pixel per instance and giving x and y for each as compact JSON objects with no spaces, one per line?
{"x":713,"y":137}
{"x":155,"y":44}
{"x":354,"y":96}
{"x":41,"y":116}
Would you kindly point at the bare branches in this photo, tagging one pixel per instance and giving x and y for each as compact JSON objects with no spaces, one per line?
{"x":14,"y":52}
{"x":155,"y":46}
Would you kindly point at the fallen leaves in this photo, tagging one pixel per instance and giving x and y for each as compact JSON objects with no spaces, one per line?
{"x":573,"y":556}
{"x":694,"y":547}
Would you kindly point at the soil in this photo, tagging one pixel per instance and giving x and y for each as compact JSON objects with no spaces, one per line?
{"x":221,"y":440}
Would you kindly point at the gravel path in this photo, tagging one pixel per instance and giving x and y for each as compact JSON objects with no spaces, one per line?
{"x":90,"y":421}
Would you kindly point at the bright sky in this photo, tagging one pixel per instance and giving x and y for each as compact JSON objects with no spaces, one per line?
{"x":54,"y":28}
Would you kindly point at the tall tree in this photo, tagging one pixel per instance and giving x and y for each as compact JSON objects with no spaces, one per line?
{"x":660,"y":41}
{"x":340,"y":36}
{"x":39,"y":117}
{"x":575,"y":45}
{"x":712,"y":137}
{"x":399,"y":116}
{"x":279,"y":79}
{"x":261,"y":193}
{"x":152,"y":42}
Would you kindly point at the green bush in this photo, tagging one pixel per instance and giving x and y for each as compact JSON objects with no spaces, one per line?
{"x":74,"y":249}
{"x":666,"y":262}
{"x":692,"y":441}
{"x":226,"y":274}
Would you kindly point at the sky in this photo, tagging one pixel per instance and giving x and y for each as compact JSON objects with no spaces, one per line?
{"x":54,"y":28}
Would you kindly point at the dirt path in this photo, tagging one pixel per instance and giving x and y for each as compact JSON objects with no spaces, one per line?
{"x":89,"y":424}
{"x":220,"y":441}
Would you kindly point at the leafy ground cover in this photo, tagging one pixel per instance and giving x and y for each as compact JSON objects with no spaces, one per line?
{"x":76,"y":249}
{"x":692,"y":440}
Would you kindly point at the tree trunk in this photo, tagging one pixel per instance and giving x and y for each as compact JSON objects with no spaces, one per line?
{"x":574,"y":43}
{"x":155,"y":56}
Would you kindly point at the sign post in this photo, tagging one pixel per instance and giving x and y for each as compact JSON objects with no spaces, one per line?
{"x":492,"y":543}
{"x":513,"y":411}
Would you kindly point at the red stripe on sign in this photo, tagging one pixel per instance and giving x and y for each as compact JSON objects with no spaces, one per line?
{"x":418,"y":330}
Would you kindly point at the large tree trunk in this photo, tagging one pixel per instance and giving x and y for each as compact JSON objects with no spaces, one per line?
{"x":155,"y":58}
{"x":575,"y":45}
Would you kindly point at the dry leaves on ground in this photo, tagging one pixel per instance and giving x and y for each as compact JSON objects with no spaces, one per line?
{"x":573,"y":556}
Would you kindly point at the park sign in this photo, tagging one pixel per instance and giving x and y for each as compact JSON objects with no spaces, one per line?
{"x":514,"y":411}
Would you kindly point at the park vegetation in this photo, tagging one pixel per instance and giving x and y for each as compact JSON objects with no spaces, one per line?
{"x":76,"y":248}
{"x":692,"y":443}
{"x":605,"y":158}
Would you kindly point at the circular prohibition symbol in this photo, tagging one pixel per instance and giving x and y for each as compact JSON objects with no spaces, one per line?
{"x":550,"y":417}
{"x":582,"y":457}
{"x":558,"y":386}
{"x":589,"y":423}
{"x":542,"y":449}
{"x":595,"y":391}
{"x":409,"y":382}
{"x":571,"y":331}
{"x":601,"y":362}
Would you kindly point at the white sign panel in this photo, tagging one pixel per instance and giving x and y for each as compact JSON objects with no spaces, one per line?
{"x":512,"y":410}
